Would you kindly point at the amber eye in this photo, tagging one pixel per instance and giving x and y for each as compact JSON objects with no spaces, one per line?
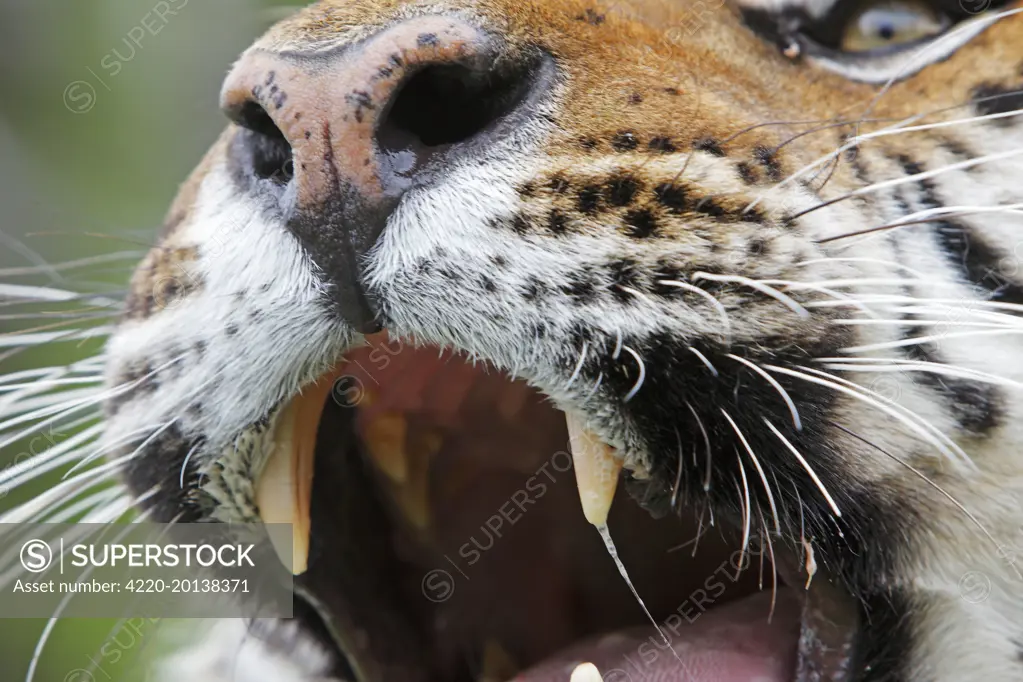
{"x":890,"y":23}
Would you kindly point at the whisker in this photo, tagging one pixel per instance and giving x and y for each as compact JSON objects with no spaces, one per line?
{"x":853,"y":259}
{"x":899,"y":365}
{"x":184,"y":465}
{"x":746,"y":512}
{"x":72,"y":264}
{"x":787,"y":301}
{"x":910,"y":419}
{"x":760,"y":470}
{"x":88,"y":460}
{"x":722,"y":313}
{"x":806,"y":466}
{"x":914,"y":178}
{"x":920,"y":340}
{"x":678,"y":474}
{"x":796,"y":421}
{"x":642,"y":374}
{"x":706,"y":442}
{"x":704,"y":360}
{"x":921,"y":217}
{"x":578,"y":365}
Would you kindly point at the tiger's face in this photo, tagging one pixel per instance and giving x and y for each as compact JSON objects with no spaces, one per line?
{"x":757,"y":254}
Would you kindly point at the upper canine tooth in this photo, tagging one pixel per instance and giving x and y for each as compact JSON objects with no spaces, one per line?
{"x":284,"y":489}
{"x":596,"y":470}
{"x":385,"y":439}
{"x":586,"y":672}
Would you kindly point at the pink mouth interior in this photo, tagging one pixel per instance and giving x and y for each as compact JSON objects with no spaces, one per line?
{"x":507,"y":556}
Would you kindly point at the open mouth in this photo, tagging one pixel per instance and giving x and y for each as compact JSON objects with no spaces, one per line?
{"x":444,"y":517}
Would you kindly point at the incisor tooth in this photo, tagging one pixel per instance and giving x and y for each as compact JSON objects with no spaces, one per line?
{"x":596,"y":471}
{"x":385,"y":440}
{"x":586,"y":672}
{"x":285,"y":486}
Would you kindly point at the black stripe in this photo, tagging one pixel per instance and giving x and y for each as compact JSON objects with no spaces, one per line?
{"x":885,"y":638}
{"x":976,"y":260}
{"x":976,"y":406}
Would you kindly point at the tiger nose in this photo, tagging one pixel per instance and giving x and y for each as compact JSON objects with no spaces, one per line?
{"x":347,"y":131}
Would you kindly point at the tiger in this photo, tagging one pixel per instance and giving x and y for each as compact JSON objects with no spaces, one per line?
{"x":465,"y":285}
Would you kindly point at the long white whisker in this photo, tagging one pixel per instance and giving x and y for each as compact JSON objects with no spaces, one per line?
{"x":31,"y":469}
{"x":920,"y":340}
{"x":909,"y":419}
{"x":796,"y":421}
{"x":784,"y":299}
{"x":914,"y":178}
{"x":760,"y":470}
{"x":88,"y":460}
{"x":932,"y":126}
{"x":747,"y":511}
{"x":722,"y":312}
{"x":579,"y":364}
{"x":704,"y":360}
{"x":184,"y":465}
{"x":874,"y":261}
{"x":706,"y":442}
{"x":882,"y":365}
{"x":806,"y":465}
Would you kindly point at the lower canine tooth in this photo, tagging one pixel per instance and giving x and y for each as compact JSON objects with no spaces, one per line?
{"x":285,"y":486}
{"x":586,"y":672}
{"x":596,"y":471}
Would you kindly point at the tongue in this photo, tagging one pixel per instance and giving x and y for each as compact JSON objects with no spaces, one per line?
{"x":732,"y":643}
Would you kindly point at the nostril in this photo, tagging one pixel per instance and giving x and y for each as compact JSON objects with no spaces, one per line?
{"x":450,"y":103}
{"x":269,"y":155}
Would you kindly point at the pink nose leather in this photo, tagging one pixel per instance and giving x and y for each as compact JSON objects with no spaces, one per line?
{"x":328,"y":105}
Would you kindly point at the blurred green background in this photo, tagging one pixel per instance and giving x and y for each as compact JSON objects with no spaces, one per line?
{"x":106,"y":105}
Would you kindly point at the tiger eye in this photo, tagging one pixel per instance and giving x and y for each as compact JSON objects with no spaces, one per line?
{"x":890,"y":23}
